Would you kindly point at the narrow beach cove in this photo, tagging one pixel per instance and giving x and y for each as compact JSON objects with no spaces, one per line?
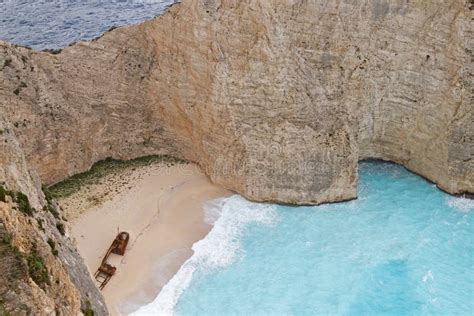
{"x":161,"y":206}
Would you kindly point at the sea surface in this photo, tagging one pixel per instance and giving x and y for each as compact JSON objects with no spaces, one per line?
{"x":42,"y":24}
{"x":402,"y":248}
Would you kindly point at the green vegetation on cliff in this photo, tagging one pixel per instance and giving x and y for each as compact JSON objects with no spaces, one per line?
{"x":3,"y":311}
{"x":21,"y":200}
{"x":3,"y":194}
{"x":16,"y":265}
{"x":52,"y":244}
{"x":50,"y":206}
{"x":87,"y":311}
{"x":23,"y":203}
{"x":37,"y":269}
{"x":12,"y":264}
{"x":100,"y":169}
{"x":13,"y":269}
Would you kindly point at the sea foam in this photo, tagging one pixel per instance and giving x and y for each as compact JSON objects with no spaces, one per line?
{"x":217,"y":250}
{"x":461,"y":203}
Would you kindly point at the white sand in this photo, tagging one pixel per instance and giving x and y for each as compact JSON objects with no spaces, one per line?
{"x":162,"y":209}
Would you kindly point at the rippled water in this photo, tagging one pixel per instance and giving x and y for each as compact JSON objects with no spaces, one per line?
{"x":57,"y":23}
{"x":403,"y":248}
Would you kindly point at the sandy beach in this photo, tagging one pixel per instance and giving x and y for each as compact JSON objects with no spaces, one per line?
{"x":161,"y":206}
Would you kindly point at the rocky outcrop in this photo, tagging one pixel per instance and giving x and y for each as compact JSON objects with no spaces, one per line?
{"x":41,"y":272}
{"x":275,"y":100}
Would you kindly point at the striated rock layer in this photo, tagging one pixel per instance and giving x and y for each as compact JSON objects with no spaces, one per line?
{"x":276,"y":100}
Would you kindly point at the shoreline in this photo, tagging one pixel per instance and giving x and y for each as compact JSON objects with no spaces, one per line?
{"x":161,"y":206}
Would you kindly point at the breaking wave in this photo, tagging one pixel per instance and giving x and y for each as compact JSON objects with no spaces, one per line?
{"x":461,"y":203}
{"x":217,"y":250}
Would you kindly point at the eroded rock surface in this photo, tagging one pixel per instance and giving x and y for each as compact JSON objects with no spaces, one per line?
{"x":276,"y":100}
{"x":41,"y":272}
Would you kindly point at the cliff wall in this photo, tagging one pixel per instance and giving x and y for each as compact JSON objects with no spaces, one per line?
{"x":276,"y":100}
{"x":41,"y":272}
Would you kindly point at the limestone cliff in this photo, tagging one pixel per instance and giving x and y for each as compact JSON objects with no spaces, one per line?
{"x":276,"y":100}
{"x":41,"y":272}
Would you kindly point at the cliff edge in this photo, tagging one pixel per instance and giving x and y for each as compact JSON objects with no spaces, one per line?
{"x":275,"y":100}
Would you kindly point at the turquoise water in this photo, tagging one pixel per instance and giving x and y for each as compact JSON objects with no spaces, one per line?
{"x":403,"y":248}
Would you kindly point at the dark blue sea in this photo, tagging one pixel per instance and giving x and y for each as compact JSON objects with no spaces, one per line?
{"x":42,"y":24}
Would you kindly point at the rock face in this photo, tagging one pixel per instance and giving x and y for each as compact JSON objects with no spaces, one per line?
{"x":28,"y":239}
{"x":67,"y":287}
{"x":276,"y":100}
